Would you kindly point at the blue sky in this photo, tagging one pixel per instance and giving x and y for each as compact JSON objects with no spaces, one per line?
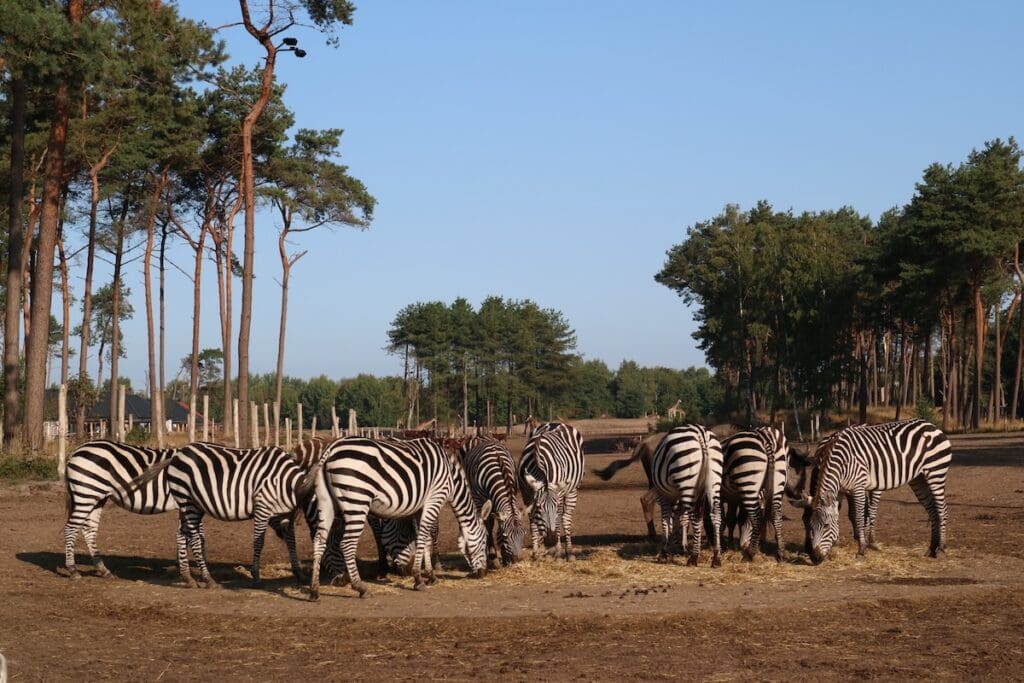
{"x":555,"y":151}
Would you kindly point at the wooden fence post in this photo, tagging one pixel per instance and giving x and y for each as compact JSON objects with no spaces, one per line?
{"x":120,"y":412}
{"x":191,"y":418}
{"x":299,"y":407}
{"x":277,"y":424}
{"x":62,"y":431}
{"x":266,"y":423}
{"x":334,"y":423}
{"x":234,"y":421}
{"x":288,"y":433}
{"x":254,"y":422}
{"x":206,"y":417}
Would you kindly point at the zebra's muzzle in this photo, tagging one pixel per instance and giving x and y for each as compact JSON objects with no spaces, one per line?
{"x":817,"y":556}
{"x":550,"y":539}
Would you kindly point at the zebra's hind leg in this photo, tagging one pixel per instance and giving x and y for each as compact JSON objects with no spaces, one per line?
{"x":77,"y":517}
{"x":780,"y":548}
{"x":184,"y":540}
{"x":568,"y":512}
{"x":667,"y":516}
{"x":90,"y":530}
{"x":870,"y":517}
{"x":424,"y":538}
{"x":932,"y":497}
{"x":716,"y":535}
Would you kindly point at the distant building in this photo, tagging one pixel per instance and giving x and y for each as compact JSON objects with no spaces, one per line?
{"x":137,"y":409}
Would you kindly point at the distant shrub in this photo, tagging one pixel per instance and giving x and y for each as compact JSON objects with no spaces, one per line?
{"x":13,"y":468}
{"x":668,"y":423}
{"x":925,"y":409}
{"x":138,"y":436}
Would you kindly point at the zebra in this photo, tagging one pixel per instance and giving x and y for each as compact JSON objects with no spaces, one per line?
{"x":686,"y":471}
{"x":643,"y":452}
{"x":862,"y":461}
{"x":550,"y":473}
{"x":97,"y":472}
{"x":231,"y":484}
{"x":393,"y":479}
{"x":491,"y":473}
{"x":754,"y":478}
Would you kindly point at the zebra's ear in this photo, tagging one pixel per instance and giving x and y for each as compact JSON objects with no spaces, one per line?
{"x":802,"y":502}
{"x":485,"y":511}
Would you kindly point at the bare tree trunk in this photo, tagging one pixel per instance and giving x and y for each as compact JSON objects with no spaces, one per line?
{"x":115,"y":322}
{"x":249,"y":196}
{"x":979,"y":355}
{"x":147,"y":273}
{"x":15,"y":240}
{"x":65,"y":347}
{"x":286,"y":269}
{"x":162,"y":354}
{"x":42,"y":278}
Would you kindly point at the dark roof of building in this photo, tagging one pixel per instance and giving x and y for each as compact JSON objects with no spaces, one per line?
{"x":138,"y":407}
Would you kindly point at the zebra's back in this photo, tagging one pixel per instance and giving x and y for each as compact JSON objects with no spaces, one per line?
{"x":894,"y":453}
{"x":102,"y":470}
{"x":225,"y":482}
{"x":553,"y":456}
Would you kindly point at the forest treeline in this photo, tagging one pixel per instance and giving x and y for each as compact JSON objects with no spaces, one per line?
{"x":124,"y":129}
{"x":830,"y":310}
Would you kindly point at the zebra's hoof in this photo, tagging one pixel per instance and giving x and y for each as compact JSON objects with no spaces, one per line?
{"x":362,"y":590}
{"x":211,"y":585}
{"x":716,"y":562}
{"x":314,"y":595}
{"x":75,"y":576}
{"x":692,"y":562}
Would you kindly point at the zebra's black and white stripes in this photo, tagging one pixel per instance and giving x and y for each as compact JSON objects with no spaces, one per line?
{"x":394,"y":480}
{"x":754,"y":476}
{"x":231,"y":484}
{"x":864,"y":459}
{"x":686,"y":471}
{"x":100,"y":471}
{"x":492,"y":477}
{"x":550,"y":473}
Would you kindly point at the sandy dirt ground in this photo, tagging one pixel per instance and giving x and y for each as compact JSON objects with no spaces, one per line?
{"x":615,"y":613}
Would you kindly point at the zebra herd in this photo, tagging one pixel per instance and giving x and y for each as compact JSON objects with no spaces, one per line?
{"x":398,"y":488}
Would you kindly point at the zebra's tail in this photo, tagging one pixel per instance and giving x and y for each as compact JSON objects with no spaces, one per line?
{"x":704,"y":482}
{"x":609,"y":472}
{"x":148,"y":475}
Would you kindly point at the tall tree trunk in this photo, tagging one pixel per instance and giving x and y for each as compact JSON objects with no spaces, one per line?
{"x":162,"y":354}
{"x":115,"y":322}
{"x":286,"y":269}
{"x":15,"y":239}
{"x":90,"y":259}
{"x":65,"y":291}
{"x":42,"y":278}
{"x":979,"y":355}
{"x":249,"y":196}
{"x":156,"y":418}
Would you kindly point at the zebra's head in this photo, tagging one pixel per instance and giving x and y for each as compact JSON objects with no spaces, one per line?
{"x":513,"y":536}
{"x":824,"y":529}
{"x":544,"y":514}
{"x":473,"y":543}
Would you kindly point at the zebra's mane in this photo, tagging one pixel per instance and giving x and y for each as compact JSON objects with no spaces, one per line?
{"x":822,"y":457}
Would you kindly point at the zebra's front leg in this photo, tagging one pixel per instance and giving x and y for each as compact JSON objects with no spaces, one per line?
{"x":428,"y":521}
{"x":188,"y":538}
{"x":667,"y":516}
{"x":568,"y":512}
{"x":260,"y":518}
{"x":857,"y":515}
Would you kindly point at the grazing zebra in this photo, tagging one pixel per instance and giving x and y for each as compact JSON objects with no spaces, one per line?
{"x":686,"y":471}
{"x":232,"y":484}
{"x":644,"y":452}
{"x":394,"y":480}
{"x":550,"y":473}
{"x":99,"y":471}
{"x":754,"y":477}
{"x":864,"y":460}
{"x":492,"y":477}
{"x":395,"y":538}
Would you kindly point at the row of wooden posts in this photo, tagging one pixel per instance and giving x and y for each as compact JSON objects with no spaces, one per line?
{"x":119,"y":431}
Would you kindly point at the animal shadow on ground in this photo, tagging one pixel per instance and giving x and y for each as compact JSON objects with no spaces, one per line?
{"x":155,"y":571}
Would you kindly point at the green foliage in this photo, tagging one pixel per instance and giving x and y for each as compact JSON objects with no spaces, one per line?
{"x":138,"y":436}
{"x":14,"y":468}
{"x":317,"y":397}
{"x":377,"y":401}
{"x":925,"y":409}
